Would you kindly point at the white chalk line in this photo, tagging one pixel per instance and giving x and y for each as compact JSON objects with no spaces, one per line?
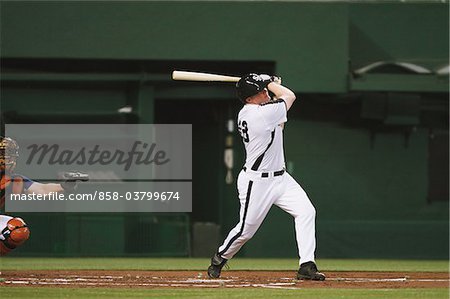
{"x":429,"y":280}
{"x":196,"y":282}
{"x":191,"y":280}
{"x":355,"y":279}
{"x":402,"y":279}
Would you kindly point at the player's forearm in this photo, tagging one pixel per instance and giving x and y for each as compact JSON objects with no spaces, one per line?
{"x":69,"y":185}
{"x":282,"y":92}
{"x":44,"y":189}
{"x":52,"y":187}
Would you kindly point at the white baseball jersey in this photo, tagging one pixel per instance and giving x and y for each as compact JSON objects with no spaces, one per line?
{"x":263,"y":183}
{"x":259,"y":126}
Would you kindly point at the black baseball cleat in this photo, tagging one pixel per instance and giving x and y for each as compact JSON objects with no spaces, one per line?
{"x":216,"y":266}
{"x":308,"y":271}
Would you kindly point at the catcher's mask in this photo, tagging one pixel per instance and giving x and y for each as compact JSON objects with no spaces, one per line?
{"x":9,"y":152}
{"x":249,"y":85}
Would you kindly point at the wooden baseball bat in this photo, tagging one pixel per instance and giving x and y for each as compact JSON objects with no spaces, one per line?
{"x":206,"y":77}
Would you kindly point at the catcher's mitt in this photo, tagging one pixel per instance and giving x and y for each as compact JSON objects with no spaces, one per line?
{"x":71,"y":179}
{"x":14,"y":234}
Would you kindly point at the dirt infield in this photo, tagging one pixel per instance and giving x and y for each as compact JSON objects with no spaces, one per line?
{"x":229,"y":279}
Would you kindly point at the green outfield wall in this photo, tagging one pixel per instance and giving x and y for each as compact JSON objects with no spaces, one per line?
{"x":361,"y":146}
{"x":312,"y":44}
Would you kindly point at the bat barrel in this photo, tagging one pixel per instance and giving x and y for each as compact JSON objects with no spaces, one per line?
{"x":205,"y":77}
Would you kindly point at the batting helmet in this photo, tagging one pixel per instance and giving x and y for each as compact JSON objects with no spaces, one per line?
{"x":251,"y":84}
{"x":9,"y":152}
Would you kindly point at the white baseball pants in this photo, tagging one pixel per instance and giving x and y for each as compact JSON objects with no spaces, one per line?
{"x":257,"y":195}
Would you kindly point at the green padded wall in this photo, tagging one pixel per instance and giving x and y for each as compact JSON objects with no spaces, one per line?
{"x":295,"y":35}
{"x":371,"y":200}
{"x":416,"y":33}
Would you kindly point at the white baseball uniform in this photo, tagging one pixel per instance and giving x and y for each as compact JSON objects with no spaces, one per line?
{"x":263,"y":181}
{"x":3,"y":222}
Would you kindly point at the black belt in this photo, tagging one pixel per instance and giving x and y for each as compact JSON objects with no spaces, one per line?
{"x":266,"y":174}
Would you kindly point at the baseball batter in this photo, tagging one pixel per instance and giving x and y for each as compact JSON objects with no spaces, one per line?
{"x":263,"y":181}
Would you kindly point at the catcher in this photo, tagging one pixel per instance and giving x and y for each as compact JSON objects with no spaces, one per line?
{"x":14,"y":231}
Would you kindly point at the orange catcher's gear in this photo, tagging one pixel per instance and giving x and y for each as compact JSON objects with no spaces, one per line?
{"x":15,"y":183}
{"x":14,"y":234}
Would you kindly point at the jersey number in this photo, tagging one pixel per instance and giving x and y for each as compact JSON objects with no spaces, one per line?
{"x":243,"y":130}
